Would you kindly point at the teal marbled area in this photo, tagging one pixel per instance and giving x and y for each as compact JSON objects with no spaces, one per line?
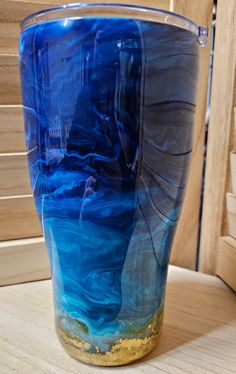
{"x":109,"y":106}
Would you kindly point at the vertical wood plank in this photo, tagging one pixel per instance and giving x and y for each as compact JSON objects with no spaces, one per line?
{"x":219,"y":137}
{"x":233,"y":171}
{"x":185,"y":244}
{"x":231,"y":215}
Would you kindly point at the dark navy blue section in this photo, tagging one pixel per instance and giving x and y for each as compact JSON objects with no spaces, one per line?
{"x":109,"y":106}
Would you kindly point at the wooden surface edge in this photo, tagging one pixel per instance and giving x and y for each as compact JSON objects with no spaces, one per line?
{"x":226,"y":260}
{"x":23,"y":261}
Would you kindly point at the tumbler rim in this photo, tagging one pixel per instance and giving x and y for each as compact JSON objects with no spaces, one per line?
{"x":82,"y":10}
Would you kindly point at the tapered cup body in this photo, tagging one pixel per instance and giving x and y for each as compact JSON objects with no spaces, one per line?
{"x":109,"y":108}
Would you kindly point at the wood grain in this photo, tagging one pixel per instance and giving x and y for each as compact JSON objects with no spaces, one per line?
{"x":23,"y":260}
{"x":231,"y":214}
{"x":220,"y":139}
{"x":226,"y":260}
{"x":9,"y":32}
{"x":185,"y":243}
{"x":13,"y":11}
{"x":18,"y":218}
{"x":16,"y":10}
{"x":198,"y":335}
{"x":11,"y":129}
{"x":14,"y":174}
{"x":9,"y":80}
{"x":234,"y":123}
{"x":233,"y":171}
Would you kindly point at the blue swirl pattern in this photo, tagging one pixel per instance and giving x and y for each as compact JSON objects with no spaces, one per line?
{"x":109,"y":106}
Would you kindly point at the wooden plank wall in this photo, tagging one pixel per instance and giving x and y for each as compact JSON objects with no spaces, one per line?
{"x":13,"y":11}
{"x":218,"y":239}
{"x":22,"y":251}
{"x":18,"y":220}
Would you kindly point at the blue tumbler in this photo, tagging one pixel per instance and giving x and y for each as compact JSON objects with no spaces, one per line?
{"x":109,"y":96}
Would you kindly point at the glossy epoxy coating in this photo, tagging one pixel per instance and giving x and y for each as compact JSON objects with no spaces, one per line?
{"x":109,"y":106}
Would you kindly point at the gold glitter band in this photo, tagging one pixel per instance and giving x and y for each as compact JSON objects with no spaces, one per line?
{"x":122,"y":351}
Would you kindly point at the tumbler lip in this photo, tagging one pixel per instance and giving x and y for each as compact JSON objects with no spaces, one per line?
{"x":108,"y":10}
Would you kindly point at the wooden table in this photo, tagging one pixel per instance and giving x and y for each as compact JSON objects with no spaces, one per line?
{"x":199,"y":334}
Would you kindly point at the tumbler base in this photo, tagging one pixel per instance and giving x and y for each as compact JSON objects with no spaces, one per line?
{"x":122,"y":352}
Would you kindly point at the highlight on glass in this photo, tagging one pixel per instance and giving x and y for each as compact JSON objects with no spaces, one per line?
{"x":109,"y":96}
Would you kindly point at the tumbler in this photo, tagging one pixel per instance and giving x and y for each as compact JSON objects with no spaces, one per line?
{"x":109,"y":96}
